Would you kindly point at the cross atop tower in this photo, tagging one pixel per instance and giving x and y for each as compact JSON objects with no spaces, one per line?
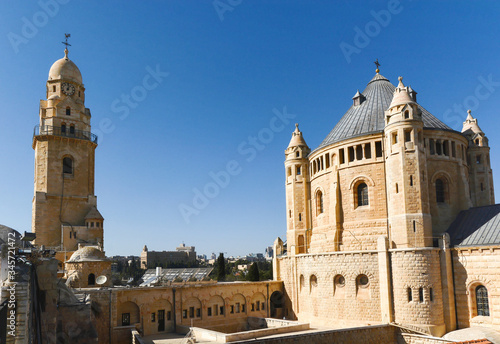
{"x":66,"y":35}
{"x":378,"y":65}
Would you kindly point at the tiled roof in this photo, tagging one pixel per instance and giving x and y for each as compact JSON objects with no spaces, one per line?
{"x":476,"y":227}
{"x":368,"y":117}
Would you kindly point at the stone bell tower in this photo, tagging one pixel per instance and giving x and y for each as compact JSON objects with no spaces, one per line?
{"x":64,"y":204}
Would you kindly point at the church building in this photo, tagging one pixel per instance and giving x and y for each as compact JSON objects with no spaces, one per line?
{"x":391,"y":219}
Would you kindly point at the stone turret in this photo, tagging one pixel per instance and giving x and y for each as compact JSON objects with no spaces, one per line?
{"x":410,"y":222}
{"x":297,"y":193}
{"x":478,"y":156}
{"x":408,"y":204}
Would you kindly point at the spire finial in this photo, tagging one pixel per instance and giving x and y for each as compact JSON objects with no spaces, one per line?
{"x":378,"y":65}
{"x":400,"y":85}
{"x":66,"y":35}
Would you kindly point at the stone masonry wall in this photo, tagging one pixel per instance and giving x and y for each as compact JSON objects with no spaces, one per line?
{"x":238,"y":300}
{"x":319,"y":300}
{"x":474,"y":266}
{"x":417,"y":272}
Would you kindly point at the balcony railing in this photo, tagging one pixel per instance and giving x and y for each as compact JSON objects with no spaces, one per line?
{"x":64,"y":132}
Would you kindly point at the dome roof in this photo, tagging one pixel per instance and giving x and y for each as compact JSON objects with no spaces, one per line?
{"x":87,"y":254}
{"x":65,"y":69}
{"x":369,"y":116}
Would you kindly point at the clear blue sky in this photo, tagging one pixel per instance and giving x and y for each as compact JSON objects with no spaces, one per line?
{"x":232,"y":65}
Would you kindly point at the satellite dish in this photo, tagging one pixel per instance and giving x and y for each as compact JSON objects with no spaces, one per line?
{"x":101,"y":280}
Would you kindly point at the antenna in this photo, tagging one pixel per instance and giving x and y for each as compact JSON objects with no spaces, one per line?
{"x":101,"y":280}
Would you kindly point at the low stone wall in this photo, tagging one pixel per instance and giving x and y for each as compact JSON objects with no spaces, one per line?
{"x":273,"y":328}
{"x":136,"y":338}
{"x":363,"y":335}
{"x":419,"y":339}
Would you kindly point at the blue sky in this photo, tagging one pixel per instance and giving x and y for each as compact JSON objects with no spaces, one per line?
{"x":223,"y":70}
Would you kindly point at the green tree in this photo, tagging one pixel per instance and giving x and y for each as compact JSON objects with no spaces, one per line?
{"x":253,"y":273}
{"x":221,"y":268}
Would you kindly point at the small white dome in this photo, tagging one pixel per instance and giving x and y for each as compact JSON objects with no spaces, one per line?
{"x":65,"y":69}
{"x":87,"y":254}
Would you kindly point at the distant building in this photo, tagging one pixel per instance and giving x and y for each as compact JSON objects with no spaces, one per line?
{"x":268,"y":254}
{"x":182,"y":255}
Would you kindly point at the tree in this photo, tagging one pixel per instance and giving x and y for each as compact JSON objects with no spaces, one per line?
{"x":221,"y":268}
{"x":253,"y":273}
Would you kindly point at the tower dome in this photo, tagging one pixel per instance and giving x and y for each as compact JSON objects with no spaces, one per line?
{"x":65,"y":69}
{"x":86,"y":254}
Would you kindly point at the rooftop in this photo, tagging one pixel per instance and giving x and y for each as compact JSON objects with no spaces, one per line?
{"x":476,"y":227}
{"x":369,"y":116}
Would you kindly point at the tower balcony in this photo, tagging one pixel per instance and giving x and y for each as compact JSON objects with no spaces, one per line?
{"x":41,"y":130}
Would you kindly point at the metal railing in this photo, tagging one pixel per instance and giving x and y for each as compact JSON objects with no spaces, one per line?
{"x":64,"y":132}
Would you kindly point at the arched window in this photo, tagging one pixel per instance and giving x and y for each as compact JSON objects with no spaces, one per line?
{"x":482,"y":303}
{"x":67,"y":165}
{"x":407,"y":114}
{"x":362,"y":194}
{"x":409,"y":293}
{"x":72,"y":129}
{"x":91,"y":279}
{"x":439,"y":191}
{"x":68,"y":111}
{"x":63,"y":128}
{"x":313,"y":282}
{"x":319,"y":202}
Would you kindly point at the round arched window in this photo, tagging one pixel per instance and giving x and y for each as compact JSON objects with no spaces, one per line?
{"x":362,"y":281}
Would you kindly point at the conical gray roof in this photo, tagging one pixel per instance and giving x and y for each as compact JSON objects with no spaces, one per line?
{"x":368,"y":117}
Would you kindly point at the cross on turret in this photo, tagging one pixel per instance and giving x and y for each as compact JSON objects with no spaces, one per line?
{"x":378,"y":65}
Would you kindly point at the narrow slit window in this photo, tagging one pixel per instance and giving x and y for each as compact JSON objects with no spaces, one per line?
{"x":351,"y":154}
{"x":68,"y":111}
{"x":439,"y":191}
{"x":368,"y":151}
{"x":407,"y":135}
{"x":67,"y":165}
{"x":482,"y":301}
{"x":359,"y":152}
{"x":378,"y":149}
{"x":341,"y":156}
{"x":362,"y":194}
